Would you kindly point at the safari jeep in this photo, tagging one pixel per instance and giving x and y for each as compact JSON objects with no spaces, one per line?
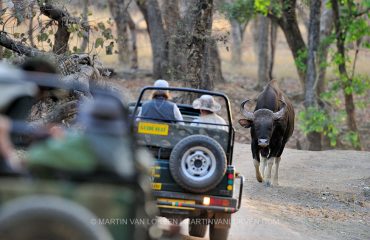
{"x":193,"y":175}
{"x":64,"y":199}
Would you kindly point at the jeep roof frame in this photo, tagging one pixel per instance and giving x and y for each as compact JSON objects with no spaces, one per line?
{"x":230,"y":147}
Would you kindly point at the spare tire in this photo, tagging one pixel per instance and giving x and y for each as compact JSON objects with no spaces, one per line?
{"x":48,"y":217}
{"x":198,"y":163}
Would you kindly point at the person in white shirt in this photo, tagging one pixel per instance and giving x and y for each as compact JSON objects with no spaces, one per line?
{"x":160,"y":108}
{"x":208,"y":108}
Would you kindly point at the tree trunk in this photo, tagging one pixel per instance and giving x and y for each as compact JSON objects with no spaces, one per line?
{"x":236,"y":42}
{"x":30,"y":15}
{"x":118,"y":11}
{"x":63,"y":18}
{"x":61,"y":39}
{"x":263,"y":51}
{"x":289,"y":25}
{"x":1,"y":48}
{"x":346,"y":81}
{"x":133,"y":54}
{"x":30,"y":32}
{"x":85,"y":34}
{"x":314,"y":138}
{"x":214,"y":69}
{"x":200,"y":29}
{"x":326,"y":26}
{"x":174,"y":30}
{"x":158,"y":39}
{"x":272,"y":48}
{"x":303,"y":14}
{"x":171,"y":16}
{"x":255,"y":35}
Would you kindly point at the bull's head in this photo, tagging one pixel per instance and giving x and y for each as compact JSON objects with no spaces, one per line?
{"x":262,"y":122}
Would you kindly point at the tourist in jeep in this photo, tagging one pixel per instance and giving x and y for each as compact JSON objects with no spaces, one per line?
{"x":160,"y":108}
{"x":208,"y":108}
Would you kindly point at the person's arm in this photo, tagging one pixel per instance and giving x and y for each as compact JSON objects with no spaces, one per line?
{"x":7,"y":151}
{"x":222,"y":121}
{"x":177,"y":113}
{"x":195,"y":122}
{"x":138,"y":118}
{"x":6,"y":147}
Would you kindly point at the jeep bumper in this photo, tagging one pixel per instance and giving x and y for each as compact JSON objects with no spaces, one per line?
{"x":189,"y":202}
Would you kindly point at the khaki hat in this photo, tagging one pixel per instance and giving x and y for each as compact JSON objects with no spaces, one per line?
{"x":206,"y":102}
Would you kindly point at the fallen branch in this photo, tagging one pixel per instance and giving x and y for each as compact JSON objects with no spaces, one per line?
{"x":65,"y":111}
{"x":19,"y":47}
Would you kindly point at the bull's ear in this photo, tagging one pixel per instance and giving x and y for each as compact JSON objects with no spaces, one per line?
{"x":245,"y":123}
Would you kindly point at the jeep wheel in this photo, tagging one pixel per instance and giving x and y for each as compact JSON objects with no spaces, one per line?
{"x":47,"y":217}
{"x":218,"y":233}
{"x":197,"y":229}
{"x":198,"y":163}
{"x":219,"y":226}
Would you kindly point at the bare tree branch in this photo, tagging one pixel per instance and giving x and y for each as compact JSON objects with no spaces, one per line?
{"x":18,"y":47}
{"x":64,"y":20}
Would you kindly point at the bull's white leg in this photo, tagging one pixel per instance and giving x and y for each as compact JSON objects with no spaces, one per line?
{"x":275,"y":180}
{"x":258,"y":173}
{"x":263,"y":166}
{"x":267,"y":175}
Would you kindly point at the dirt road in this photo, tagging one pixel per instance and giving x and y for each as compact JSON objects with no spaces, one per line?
{"x":322,"y":195}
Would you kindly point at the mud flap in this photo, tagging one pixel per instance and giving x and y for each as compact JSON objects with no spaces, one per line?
{"x":221,"y":220}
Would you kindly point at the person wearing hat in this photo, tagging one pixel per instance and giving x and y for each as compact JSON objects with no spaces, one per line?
{"x":160,"y":108}
{"x":208,"y":108}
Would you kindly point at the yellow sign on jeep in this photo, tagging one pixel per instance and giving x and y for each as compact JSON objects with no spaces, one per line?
{"x":153,"y":128}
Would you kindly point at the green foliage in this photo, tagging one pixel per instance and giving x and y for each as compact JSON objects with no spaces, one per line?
{"x":105,"y":30}
{"x":357,"y":29}
{"x":109,"y":48}
{"x":300,"y":61}
{"x":360,"y":84}
{"x":43,"y":34}
{"x":262,"y":6}
{"x":99,"y":42}
{"x":240,"y":10}
{"x":243,"y":10}
{"x":7,"y":53}
{"x":314,"y":119}
{"x":354,"y":27}
{"x":42,"y":37}
{"x":353,"y":138}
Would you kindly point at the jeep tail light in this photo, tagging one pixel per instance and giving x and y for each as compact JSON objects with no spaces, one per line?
{"x":220,"y":202}
{"x":206,"y":201}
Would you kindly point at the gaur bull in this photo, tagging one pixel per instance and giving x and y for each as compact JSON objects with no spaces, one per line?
{"x":271,"y":123}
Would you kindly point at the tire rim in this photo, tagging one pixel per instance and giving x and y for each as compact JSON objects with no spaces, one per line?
{"x":198,"y":163}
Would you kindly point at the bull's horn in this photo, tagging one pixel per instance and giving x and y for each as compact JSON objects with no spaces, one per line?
{"x":281,"y":112}
{"x":248,"y":115}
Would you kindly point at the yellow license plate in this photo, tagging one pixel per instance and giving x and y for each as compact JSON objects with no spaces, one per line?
{"x":176,"y":203}
{"x":153,"y":128}
{"x":156,"y":186}
{"x":154,"y":172}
